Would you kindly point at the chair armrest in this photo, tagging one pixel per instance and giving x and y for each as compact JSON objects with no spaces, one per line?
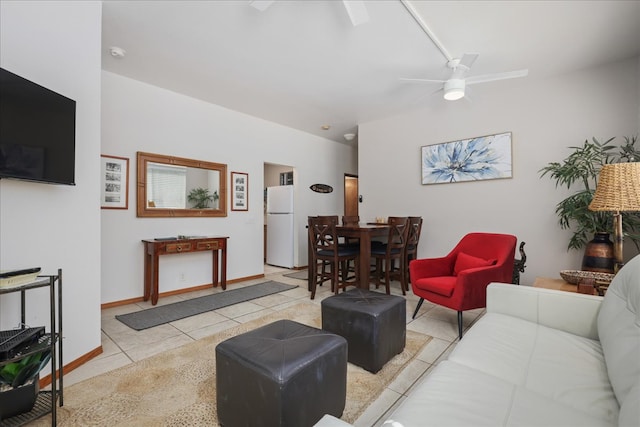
{"x":431,"y":267}
{"x":566,"y":311}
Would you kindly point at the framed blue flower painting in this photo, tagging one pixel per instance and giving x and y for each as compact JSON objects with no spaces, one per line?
{"x":474,"y":159}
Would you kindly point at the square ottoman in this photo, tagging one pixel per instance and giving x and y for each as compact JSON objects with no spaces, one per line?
{"x":281,"y":374}
{"x":374,"y":325}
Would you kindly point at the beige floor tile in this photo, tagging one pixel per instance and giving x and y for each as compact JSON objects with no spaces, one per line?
{"x":198,"y":321}
{"x":433,"y":350}
{"x":152,"y":348}
{"x":196,"y":334}
{"x":110,"y":313}
{"x":408,"y":376}
{"x":98,"y":366}
{"x":388,"y":413}
{"x":109,"y":347}
{"x":255,"y":315}
{"x":273,"y":300}
{"x":131,"y":338}
{"x":434,"y":327}
{"x":240,"y":309}
{"x":161,"y":301}
{"x":379,"y":407}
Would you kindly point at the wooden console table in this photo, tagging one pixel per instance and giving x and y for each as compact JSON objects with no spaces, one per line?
{"x":154,"y":248}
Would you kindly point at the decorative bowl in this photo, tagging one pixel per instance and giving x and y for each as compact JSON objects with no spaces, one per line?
{"x":575,"y":276}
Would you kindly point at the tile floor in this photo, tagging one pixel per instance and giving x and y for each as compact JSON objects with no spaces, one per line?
{"x":122,"y":345}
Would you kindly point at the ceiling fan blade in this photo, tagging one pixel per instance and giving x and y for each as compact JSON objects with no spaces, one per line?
{"x":468,"y":59}
{"x":422,"y":80}
{"x":261,"y":5}
{"x":357,"y":11}
{"x":497,"y":76}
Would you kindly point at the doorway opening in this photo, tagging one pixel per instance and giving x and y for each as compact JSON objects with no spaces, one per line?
{"x":351,"y":197}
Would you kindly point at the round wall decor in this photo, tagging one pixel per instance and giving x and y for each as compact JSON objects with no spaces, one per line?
{"x":321,"y":188}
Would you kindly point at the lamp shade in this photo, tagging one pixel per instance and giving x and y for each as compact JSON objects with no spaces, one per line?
{"x":454,"y":89}
{"x":618,"y":188}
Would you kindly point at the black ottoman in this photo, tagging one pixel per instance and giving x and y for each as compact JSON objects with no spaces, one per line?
{"x":282,"y":374}
{"x":374,"y":325}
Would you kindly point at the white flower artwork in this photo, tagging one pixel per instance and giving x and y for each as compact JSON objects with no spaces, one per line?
{"x":474,"y":159}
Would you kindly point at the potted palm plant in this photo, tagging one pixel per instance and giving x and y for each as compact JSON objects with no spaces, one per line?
{"x":201,"y":197}
{"x":580,"y":171}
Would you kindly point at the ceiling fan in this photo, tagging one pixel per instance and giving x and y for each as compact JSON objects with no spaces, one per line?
{"x":356,"y":9}
{"x":454,"y":86}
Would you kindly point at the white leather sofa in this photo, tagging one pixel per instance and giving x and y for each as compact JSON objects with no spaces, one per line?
{"x":538,"y":357}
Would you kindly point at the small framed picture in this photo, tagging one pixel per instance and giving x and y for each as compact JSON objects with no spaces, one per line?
{"x":239,"y":191}
{"x":115,"y":182}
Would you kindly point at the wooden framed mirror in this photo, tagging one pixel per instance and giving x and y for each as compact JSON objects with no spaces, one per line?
{"x":171,"y":186}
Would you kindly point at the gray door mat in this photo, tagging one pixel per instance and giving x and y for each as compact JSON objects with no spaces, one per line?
{"x":302,"y":275}
{"x":179,"y":310}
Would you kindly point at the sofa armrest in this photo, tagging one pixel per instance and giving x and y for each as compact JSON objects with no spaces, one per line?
{"x":331,"y":421}
{"x":567,"y":311}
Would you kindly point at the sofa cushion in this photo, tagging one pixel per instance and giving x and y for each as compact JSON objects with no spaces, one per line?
{"x":465,"y":261}
{"x":567,"y":368}
{"x":619,"y":329}
{"x":457,"y":395}
{"x":630,"y":409}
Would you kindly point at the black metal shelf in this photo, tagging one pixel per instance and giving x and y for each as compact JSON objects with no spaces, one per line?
{"x":47,"y":400}
{"x":41,"y":408}
{"x":39,"y":282}
{"x":44,"y":343}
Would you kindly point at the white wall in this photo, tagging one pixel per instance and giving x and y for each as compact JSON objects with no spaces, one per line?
{"x":57,"y":45}
{"x":545,"y":118}
{"x":140,"y":117}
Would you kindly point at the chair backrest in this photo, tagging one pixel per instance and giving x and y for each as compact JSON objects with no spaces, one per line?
{"x":415,"y":228}
{"x":322,"y":233}
{"x":398,"y":233}
{"x":501,"y":247}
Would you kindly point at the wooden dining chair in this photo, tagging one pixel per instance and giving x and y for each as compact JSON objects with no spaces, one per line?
{"x":348,"y":267}
{"x":385,"y":255}
{"x":327,"y":256}
{"x":411,"y":250}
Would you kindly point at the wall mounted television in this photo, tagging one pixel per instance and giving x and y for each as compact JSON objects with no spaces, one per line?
{"x":37,"y":132}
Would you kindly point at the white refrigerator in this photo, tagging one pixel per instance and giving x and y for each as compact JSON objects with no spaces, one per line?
{"x":280,"y":226}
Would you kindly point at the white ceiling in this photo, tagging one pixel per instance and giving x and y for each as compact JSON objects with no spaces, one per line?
{"x":303,"y":64}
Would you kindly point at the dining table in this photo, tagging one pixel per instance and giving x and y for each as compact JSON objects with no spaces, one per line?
{"x":364,"y":233}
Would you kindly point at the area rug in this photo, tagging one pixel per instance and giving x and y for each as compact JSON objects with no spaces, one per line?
{"x":162,"y":314}
{"x":302,"y":275}
{"x":178,"y":387}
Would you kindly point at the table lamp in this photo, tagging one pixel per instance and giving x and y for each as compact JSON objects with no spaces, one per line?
{"x":618,"y":190}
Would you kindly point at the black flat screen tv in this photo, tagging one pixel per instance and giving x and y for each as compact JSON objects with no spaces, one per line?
{"x":37,"y":132}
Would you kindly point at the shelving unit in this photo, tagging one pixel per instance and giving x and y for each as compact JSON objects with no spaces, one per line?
{"x":47,"y":399}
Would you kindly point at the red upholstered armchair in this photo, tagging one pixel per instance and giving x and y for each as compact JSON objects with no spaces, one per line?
{"x":459,"y":280}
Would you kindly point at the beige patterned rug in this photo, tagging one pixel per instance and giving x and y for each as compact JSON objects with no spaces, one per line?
{"x":178,"y":387}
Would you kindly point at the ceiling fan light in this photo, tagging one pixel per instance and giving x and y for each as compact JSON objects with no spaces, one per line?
{"x":453,"y":89}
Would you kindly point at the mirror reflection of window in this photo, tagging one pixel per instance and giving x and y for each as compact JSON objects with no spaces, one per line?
{"x":166,"y":186}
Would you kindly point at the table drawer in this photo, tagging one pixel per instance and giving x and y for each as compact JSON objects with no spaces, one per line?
{"x":177,"y":247}
{"x":208,"y":245}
